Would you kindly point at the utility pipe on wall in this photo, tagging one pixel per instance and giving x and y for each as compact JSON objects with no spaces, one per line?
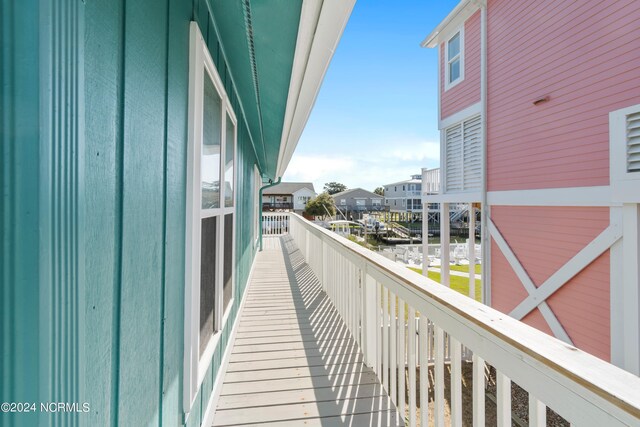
{"x":271,"y":184}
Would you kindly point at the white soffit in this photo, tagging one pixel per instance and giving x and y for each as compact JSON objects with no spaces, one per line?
{"x":321,"y":26}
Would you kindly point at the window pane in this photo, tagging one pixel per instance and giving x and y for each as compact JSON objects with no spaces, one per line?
{"x":228,"y":260}
{"x":454,"y":46}
{"x":211,"y":134}
{"x":228,"y":164}
{"x":454,"y":71}
{"x":207,"y":280}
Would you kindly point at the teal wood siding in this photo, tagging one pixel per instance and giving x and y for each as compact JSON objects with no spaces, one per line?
{"x":19,"y":218}
{"x":93,"y":172}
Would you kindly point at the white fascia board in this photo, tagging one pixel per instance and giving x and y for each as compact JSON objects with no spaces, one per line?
{"x":321,"y":26}
{"x":470,"y":197}
{"x":573,"y":196}
{"x":455,"y":19}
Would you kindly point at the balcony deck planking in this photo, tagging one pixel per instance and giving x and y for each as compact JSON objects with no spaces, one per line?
{"x":294,"y":361}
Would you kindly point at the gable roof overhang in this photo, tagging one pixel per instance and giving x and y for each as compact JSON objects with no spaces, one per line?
{"x":278,"y":53}
{"x":452,"y":22}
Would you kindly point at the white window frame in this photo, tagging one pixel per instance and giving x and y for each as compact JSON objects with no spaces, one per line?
{"x":624,"y":185}
{"x":447,"y":84}
{"x":196,"y":366}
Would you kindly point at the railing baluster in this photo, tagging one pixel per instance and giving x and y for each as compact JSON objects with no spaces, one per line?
{"x":401,"y":357}
{"x":354,"y":306}
{"x":425,"y":340}
{"x":439,"y":374}
{"x":385,"y":338}
{"x":537,"y":412}
{"x":393,"y":333}
{"x":370,"y":323}
{"x":379,"y":326}
{"x":478,"y":391}
{"x":503,"y":397}
{"x":411,"y":355}
{"x":455,"y":352}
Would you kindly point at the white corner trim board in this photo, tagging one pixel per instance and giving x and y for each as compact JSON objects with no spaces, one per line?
{"x":530,"y":287}
{"x":574,"y":266}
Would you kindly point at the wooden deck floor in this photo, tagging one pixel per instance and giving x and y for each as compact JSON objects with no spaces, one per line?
{"x":294,"y":362}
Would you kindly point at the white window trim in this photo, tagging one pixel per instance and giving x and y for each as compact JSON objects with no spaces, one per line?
{"x":624,"y":185}
{"x":195,"y":367}
{"x":446,"y":61}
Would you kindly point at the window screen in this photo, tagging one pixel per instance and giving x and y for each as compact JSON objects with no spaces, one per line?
{"x":207,"y":280}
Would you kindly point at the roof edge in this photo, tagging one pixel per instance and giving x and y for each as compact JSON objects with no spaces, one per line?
{"x":321,"y":27}
{"x":457,"y":16}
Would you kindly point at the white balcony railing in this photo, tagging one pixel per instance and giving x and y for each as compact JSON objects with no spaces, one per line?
{"x":431,"y":181}
{"x":275,"y":224}
{"x":368,"y":290}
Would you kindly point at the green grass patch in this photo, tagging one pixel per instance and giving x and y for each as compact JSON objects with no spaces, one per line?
{"x":465,"y":268}
{"x":457,"y":283}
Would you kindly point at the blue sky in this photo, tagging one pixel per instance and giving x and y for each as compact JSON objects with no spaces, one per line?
{"x":375,"y":119}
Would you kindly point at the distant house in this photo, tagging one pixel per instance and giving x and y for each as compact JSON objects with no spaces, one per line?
{"x":404,"y":196}
{"x":357,"y":201}
{"x":288,"y":196}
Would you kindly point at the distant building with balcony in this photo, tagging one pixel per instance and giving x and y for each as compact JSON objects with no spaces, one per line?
{"x":540,"y":129}
{"x":404,"y":196}
{"x":357,"y":201}
{"x":288,"y":196}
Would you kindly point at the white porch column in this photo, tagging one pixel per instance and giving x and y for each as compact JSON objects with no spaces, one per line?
{"x":625,"y":289}
{"x":444,"y":243}
{"x":472,"y":252}
{"x":631,"y":286}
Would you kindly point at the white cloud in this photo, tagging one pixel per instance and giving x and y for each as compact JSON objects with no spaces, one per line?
{"x":419,"y":151}
{"x":368,"y":169}
{"x":312,"y":168}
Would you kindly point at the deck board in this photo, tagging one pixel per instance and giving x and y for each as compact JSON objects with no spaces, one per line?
{"x":294,"y":362}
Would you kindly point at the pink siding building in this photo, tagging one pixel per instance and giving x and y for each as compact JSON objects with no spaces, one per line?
{"x":540,"y":129}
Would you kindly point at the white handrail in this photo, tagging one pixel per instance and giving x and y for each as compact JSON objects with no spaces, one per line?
{"x":578,"y":386}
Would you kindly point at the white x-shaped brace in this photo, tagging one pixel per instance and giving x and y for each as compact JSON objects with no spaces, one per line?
{"x":538,"y":295}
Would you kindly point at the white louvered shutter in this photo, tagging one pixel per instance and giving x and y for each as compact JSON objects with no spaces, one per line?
{"x":472,"y":161}
{"x":453,"y":156}
{"x":633,"y":142}
{"x":463,"y":154}
{"x":624,"y":153}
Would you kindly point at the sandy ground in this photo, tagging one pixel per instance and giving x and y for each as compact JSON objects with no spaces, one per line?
{"x":519,"y":400}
